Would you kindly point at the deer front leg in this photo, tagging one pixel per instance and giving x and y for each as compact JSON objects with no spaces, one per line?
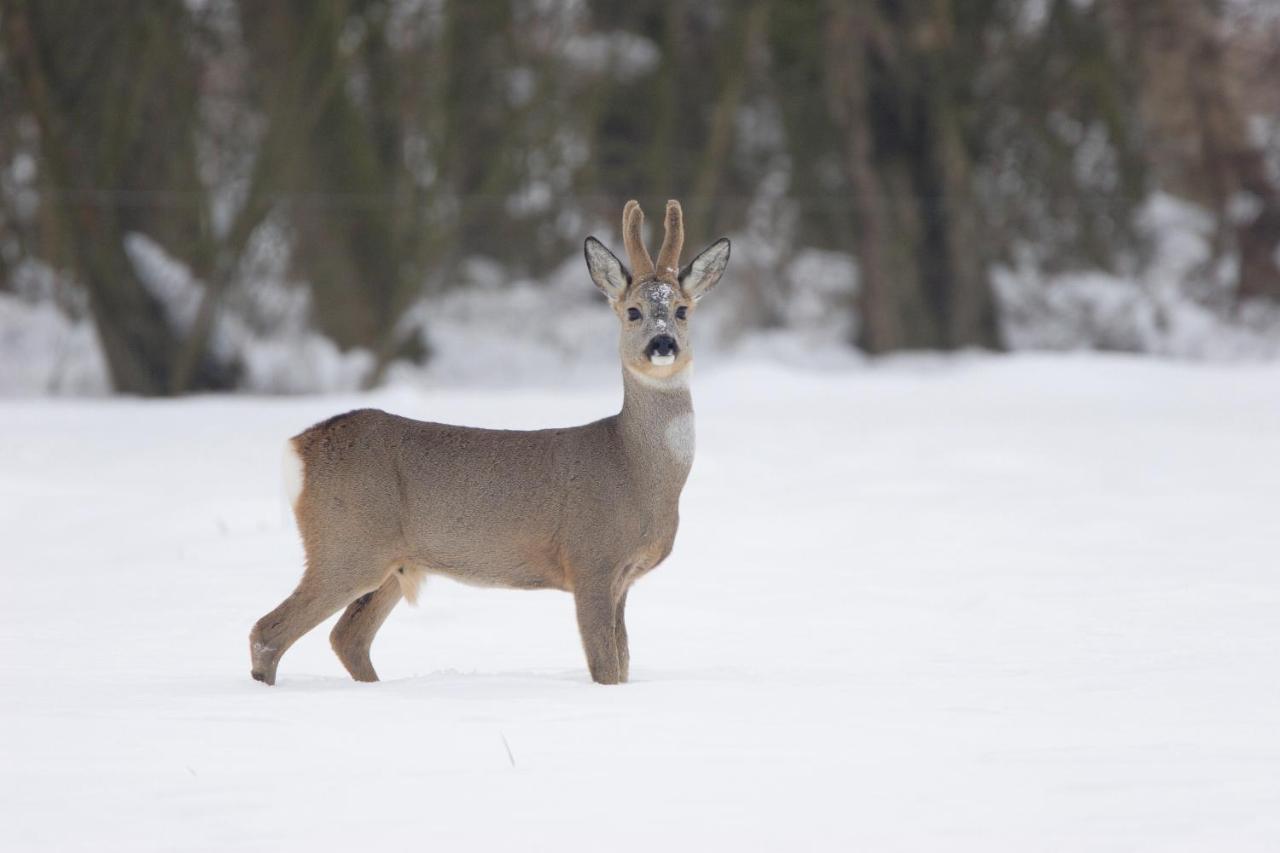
{"x":596,"y":621}
{"x":620,"y":635}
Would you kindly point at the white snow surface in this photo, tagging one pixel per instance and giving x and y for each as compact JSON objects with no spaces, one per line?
{"x":996,"y":603}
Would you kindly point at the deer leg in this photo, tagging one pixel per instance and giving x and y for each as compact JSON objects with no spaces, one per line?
{"x":620,"y":637}
{"x":596,"y":608}
{"x":319,"y":595}
{"x":353,"y":635}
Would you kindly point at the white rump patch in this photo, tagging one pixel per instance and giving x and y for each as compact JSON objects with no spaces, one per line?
{"x":294,"y":473}
{"x":680,"y":437}
{"x":662,"y":360}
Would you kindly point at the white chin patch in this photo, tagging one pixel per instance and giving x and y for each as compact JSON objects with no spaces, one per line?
{"x":662,"y":360}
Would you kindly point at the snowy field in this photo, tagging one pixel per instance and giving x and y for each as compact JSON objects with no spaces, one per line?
{"x":1024,"y":603}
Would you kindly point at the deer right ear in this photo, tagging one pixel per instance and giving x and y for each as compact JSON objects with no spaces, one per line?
{"x":606,"y":270}
{"x":702,"y":273}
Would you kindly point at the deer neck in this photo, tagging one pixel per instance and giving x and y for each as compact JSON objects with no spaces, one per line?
{"x":656,"y":426}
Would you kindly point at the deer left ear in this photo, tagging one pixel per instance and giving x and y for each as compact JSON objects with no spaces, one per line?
{"x":702,"y":273}
{"x":606,"y":270}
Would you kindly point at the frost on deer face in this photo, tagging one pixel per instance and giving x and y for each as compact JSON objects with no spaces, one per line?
{"x":658,"y":335}
{"x":659,"y":295}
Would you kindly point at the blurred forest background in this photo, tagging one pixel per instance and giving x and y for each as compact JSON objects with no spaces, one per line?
{"x":291,"y":195}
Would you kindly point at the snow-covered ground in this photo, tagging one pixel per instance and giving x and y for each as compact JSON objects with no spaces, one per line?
{"x":1021,"y":603}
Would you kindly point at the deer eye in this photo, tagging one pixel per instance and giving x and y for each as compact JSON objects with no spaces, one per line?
{"x":682,"y":312}
{"x":633,"y":313}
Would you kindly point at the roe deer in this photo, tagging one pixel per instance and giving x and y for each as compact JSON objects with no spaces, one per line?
{"x":381,"y":500}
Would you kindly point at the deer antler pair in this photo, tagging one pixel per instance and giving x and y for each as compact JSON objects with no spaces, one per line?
{"x":642,"y":265}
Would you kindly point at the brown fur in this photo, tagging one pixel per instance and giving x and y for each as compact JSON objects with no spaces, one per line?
{"x":387,"y":500}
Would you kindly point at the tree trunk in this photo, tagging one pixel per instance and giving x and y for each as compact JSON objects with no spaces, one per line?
{"x":1196,"y":131}
{"x":964,"y":304}
{"x":137,"y":341}
{"x":845,"y":46}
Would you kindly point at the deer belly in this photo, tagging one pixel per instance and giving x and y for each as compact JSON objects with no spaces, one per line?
{"x":497,"y":564}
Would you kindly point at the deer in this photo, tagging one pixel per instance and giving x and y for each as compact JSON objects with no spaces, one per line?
{"x":383,"y":501}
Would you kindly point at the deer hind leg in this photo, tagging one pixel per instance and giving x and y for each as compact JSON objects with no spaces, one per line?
{"x":353,"y":635}
{"x":596,"y":606}
{"x":324,"y":589}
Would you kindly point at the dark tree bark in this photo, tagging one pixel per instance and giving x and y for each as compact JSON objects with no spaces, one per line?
{"x":1196,"y":134}
{"x":846,"y":50}
{"x":103,"y":89}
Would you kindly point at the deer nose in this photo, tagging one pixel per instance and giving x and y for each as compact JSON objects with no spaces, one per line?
{"x":662,"y":345}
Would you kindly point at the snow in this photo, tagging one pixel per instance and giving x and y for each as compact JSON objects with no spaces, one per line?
{"x":1179,"y":303}
{"x":169,"y":280}
{"x":291,"y":357}
{"x":989,"y":603}
{"x":43,"y":351}
{"x":624,"y":55}
{"x":48,"y":344}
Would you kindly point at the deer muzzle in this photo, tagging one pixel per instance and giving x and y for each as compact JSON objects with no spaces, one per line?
{"x":662,"y":350}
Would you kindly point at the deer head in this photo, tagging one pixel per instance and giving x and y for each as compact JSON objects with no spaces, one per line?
{"x":655,"y":302}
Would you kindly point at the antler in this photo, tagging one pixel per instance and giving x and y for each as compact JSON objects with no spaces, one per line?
{"x":637,"y":254}
{"x":673,"y":241}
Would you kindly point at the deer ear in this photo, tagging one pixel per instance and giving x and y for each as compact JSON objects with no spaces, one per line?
{"x":702,"y":273}
{"x":606,"y":270}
